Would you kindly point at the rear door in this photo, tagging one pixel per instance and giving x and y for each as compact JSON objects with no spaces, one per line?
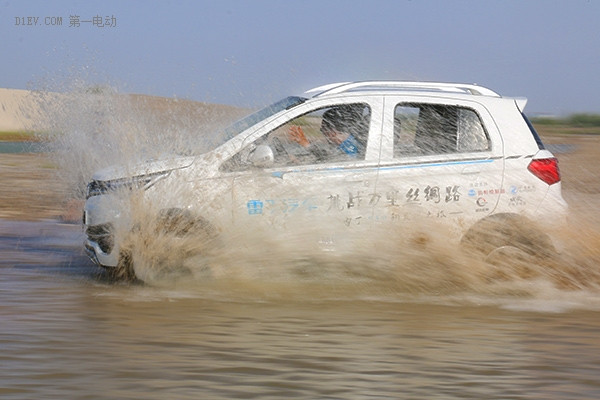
{"x":441,"y":158}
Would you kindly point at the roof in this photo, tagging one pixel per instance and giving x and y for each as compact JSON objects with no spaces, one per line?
{"x":342,"y":87}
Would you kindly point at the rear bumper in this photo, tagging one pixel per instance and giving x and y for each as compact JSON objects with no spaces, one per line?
{"x":553,"y":211}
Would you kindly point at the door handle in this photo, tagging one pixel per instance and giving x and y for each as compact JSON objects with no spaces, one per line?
{"x":357,"y":181}
{"x":470,"y":171}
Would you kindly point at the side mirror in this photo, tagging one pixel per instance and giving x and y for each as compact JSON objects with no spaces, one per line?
{"x":262,"y":156}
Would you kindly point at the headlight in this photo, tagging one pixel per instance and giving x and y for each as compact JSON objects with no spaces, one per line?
{"x":95,"y":187}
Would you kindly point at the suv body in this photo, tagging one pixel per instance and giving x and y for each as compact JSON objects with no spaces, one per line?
{"x":454,"y":152}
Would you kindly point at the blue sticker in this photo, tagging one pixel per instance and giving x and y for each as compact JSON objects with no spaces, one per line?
{"x":255,"y":207}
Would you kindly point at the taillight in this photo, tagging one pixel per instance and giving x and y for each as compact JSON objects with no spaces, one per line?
{"x":546,"y":169}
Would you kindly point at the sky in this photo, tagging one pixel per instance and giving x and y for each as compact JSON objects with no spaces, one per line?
{"x":253,"y":52}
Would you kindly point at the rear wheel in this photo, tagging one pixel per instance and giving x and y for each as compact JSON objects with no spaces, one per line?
{"x":507,"y":235}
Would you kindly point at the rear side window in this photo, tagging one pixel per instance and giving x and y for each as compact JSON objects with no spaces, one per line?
{"x":427,"y":129}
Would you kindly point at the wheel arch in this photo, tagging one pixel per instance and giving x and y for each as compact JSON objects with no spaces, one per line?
{"x":507,"y":229}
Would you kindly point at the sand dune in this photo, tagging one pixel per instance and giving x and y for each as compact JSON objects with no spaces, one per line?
{"x":12,"y":104}
{"x":19,"y":109}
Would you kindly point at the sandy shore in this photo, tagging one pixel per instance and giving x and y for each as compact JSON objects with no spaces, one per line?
{"x":29,"y":189}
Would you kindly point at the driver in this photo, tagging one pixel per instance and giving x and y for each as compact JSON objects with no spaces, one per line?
{"x":337,"y":126}
{"x":336,"y":131}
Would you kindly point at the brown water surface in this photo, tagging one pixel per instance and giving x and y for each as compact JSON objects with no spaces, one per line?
{"x":68,"y":332}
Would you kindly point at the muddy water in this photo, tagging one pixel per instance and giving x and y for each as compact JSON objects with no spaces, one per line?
{"x":68,"y":332}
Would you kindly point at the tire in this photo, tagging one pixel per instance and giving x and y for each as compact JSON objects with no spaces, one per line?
{"x":163,"y":248}
{"x":124,"y":269}
{"x":181,"y":222}
{"x":507,"y":234}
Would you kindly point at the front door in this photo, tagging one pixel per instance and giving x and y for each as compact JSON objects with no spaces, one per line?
{"x":321,"y":178}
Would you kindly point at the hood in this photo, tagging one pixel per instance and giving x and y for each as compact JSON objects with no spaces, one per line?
{"x":147,"y":168}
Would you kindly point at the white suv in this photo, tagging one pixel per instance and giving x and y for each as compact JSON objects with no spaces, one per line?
{"x":352,"y":155}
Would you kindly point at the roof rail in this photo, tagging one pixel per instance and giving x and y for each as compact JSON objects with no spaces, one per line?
{"x":341,"y":87}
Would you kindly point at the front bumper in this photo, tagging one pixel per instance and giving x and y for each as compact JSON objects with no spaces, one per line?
{"x":97,"y":250}
{"x":98,"y":257}
{"x":100,"y":221}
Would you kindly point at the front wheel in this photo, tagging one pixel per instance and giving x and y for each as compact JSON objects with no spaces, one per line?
{"x":172,"y":246}
{"x":124,"y":269}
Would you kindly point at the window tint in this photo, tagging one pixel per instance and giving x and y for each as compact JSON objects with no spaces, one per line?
{"x":426,"y":129}
{"x":332,"y":134}
{"x":534,"y":132}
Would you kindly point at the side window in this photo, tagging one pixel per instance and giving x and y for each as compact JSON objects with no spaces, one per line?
{"x":405,"y":129}
{"x":332,"y":134}
{"x":471,"y":135}
{"x":427,"y":129}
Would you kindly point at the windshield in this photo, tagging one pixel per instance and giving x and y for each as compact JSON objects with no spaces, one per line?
{"x":260,"y":115}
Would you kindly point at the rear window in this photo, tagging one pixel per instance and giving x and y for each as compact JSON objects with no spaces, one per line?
{"x":426,"y":129}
